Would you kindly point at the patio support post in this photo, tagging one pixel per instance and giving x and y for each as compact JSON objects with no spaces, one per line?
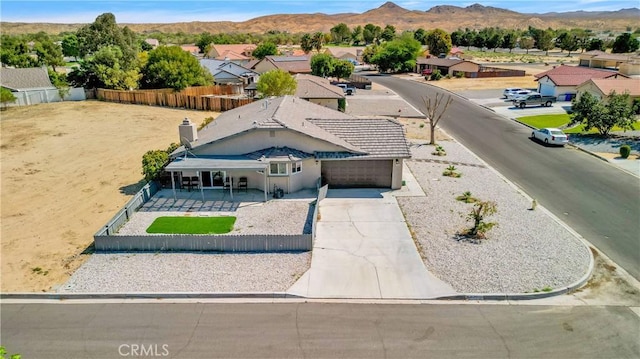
{"x":200,"y":185}
{"x":173,"y":187}
{"x":265,"y":184}
{"x":231,"y":187}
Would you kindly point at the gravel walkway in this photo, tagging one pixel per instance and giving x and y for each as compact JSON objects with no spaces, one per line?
{"x":527,"y":251}
{"x":188,"y":272}
{"x":595,"y":143}
{"x":203,"y":272}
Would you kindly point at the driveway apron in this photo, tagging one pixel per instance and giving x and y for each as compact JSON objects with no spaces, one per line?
{"x":363,"y":249}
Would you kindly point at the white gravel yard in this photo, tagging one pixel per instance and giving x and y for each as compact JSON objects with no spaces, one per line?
{"x":188,"y":272}
{"x":528,"y":251}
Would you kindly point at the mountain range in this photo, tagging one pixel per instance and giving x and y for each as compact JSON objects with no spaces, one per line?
{"x":446,"y":17}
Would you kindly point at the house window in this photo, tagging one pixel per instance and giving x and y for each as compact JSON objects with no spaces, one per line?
{"x":296,"y":167}
{"x":278,"y":169}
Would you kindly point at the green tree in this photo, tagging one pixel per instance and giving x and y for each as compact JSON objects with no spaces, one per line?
{"x":595,"y":44}
{"x":60,"y":82}
{"x":439,"y":42}
{"x":457,"y":38}
{"x":397,"y":55}
{"x":625,"y":43}
{"x":421,"y":36}
{"x":322,"y":65}
{"x":265,"y":49}
{"x":106,"y":68}
{"x":204,"y":41}
{"x":104,"y":31}
{"x":153,"y":162}
{"x":276,"y":83}
{"x":389,"y":33}
{"x":306,"y":43}
{"x":526,"y":43}
{"x":592,"y":113}
{"x":317,"y":41}
{"x":356,"y":35}
{"x":567,"y":41}
{"x":70,"y":46}
{"x":468,"y":38}
{"x":371,"y":33}
{"x":342,"y":69}
{"x":15,"y":52}
{"x":49,"y":54}
{"x":6,"y":96}
{"x":509,"y":40}
{"x":340,"y":33}
{"x":368,"y":53}
{"x":172,"y":67}
{"x":543,"y":39}
{"x":494,"y":40}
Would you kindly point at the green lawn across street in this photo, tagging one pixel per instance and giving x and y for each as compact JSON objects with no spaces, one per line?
{"x":560,"y":120}
{"x":192,"y":225}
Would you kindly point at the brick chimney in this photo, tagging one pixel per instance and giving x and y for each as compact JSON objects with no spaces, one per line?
{"x":188,"y":130}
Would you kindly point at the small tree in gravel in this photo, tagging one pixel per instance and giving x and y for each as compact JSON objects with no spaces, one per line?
{"x":436,"y":107}
{"x":477,"y":215}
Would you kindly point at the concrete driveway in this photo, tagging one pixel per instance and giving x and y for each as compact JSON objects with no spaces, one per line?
{"x":363,"y":249}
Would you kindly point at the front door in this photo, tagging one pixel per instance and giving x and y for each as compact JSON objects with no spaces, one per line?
{"x":212,"y":179}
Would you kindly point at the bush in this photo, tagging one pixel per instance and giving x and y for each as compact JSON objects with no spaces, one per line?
{"x":625,"y":151}
{"x":436,"y":75}
{"x":342,"y":104}
{"x":153,"y":163}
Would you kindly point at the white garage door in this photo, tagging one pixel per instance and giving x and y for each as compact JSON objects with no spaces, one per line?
{"x":373,"y":174}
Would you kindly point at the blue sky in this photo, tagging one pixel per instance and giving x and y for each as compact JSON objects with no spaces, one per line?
{"x":164,"y":11}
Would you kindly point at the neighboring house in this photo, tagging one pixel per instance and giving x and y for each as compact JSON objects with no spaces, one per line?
{"x":601,"y":88}
{"x":191,"y":48}
{"x":318,"y":90}
{"x":456,"y":52}
{"x":292,"y":144}
{"x":345,"y":53}
{"x":562,"y":80}
{"x":31,"y":86}
{"x":153,"y":42}
{"x":291,"y":64}
{"x":446,"y":66}
{"x":626,"y":64}
{"x":238,"y":53}
{"x":227,"y":72}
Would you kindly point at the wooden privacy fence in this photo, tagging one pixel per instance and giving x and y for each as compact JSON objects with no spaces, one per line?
{"x":204,"y":98}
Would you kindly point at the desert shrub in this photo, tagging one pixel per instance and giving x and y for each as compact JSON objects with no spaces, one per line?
{"x":436,"y":75}
{"x":439,"y":151}
{"x":451,"y":171}
{"x":625,"y":151}
{"x":466,"y":197}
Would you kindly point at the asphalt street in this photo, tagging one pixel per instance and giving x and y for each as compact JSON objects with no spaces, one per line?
{"x":318,"y":330}
{"x":597,"y":200}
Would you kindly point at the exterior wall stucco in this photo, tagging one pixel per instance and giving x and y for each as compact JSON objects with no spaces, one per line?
{"x":396,"y":175}
{"x":464,"y":67}
{"x":326,"y":102}
{"x":263,"y":66}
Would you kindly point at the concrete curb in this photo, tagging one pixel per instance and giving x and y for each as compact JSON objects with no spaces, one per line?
{"x":170,"y":295}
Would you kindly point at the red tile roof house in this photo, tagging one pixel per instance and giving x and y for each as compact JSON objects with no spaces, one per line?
{"x":291,"y":64}
{"x":446,"y":66}
{"x":237,"y":53}
{"x":562,"y":80}
{"x":601,"y":88}
{"x":292,"y":144}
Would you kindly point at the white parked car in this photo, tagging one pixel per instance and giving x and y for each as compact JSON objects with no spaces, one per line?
{"x":510,"y":90}
{"x":515,"y":95}
{"x":550,"y":136}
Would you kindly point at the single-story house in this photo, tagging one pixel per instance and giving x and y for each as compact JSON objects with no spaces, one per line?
{"x":626,"y":64}
{"x":318,"y":90}
{"x":457,"y":52}
{"x":446,"y":66}
{"x":601,"y":88}
{"x":238,"y":53}
{"x":191,"y":48}
{"x":227,"y":72}
{"x":345,"y":53}
{"x":291,"y":64}
{"x":292,"y":144}
{"x":29,"y":85}
{"x":561,"y":81}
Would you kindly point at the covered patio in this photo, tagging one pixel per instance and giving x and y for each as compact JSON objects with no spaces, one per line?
{"x":228,"y":173}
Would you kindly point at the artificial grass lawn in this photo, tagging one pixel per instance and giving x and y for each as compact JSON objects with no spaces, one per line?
{"x":192,"y":225}
{"x":559,"y":120}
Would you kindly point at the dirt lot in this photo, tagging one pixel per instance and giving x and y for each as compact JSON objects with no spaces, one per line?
{"x":66,"y":169}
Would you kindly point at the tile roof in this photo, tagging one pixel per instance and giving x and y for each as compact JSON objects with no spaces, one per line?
{"x":378,"y":137}
{"x":310,"y":86}
{"x":243,"y":50}
{"x":287,"y":112}
{"x":620,"y":86}
{"x":216,"y":66}
{"x":574,"y":75}
{"x":23,"y":79}
{"x":292,"y":64}
{"x":435,"y":61}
